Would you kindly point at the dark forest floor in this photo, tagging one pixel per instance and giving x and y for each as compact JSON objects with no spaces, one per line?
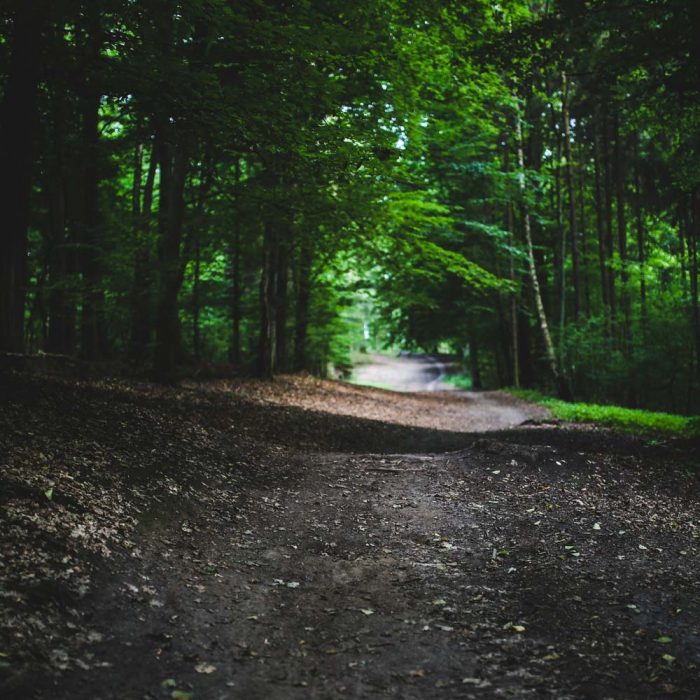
{"x":305,"y":539}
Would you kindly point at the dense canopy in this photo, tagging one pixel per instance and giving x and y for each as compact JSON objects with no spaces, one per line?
{"x":263,"y":185}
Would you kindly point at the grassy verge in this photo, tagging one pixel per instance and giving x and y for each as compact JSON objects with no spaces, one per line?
{"x":627,"y":419}
{"x":461,"y":381}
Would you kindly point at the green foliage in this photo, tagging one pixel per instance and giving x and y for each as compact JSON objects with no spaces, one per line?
{"x":461,"y":381}
{"x":617,"y":417}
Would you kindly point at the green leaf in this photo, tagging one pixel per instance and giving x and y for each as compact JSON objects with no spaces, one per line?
{"x":49,"y":493}
{"x":664,"y":639}
{"x":181,"y":695}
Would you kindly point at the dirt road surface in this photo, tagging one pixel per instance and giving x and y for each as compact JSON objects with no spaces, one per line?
{"x":404,"y":373}
{"x":246,"y":540}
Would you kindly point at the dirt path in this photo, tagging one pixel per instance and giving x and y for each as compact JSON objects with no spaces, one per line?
{"x":404,"y":373}
{"x":539,"y":562}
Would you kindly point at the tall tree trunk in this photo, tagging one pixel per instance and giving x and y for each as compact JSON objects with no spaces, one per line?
{"x":566,"y":119}
{"x":282,"y":282}
{"x":173,"y":174}
{"x":92,"y":322}
{"x":608,"y":190}
{"x":17,"y":127}
{"x":62,"y":316}
{"x":561,"y":237}
{"x":620,"y":198}
{"x":301,"y":321}
{"x":515,"y":350}
{"x":141,"y":291}
{"x":234,"y":351}
{"x":600,"y":229}
{"x":539,"y":307}
{"x":268,"y":287}
{"x":641,"y":255}
{"x":691,"y":223}
{"x":585,"y":278}
{"x":474,"y":369}
{"x":196,"y":298}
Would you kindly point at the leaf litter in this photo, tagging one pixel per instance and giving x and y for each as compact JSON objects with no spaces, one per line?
{"x":171,"y":511}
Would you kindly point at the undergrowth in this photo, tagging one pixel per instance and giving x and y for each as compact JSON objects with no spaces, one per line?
{"x":627,"y":419}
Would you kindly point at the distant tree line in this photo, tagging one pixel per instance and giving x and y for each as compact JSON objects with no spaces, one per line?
{"x":213,"y":181}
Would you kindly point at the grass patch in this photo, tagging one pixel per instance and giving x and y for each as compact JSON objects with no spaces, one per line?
{"x":461,"y":381}
{"x":632,"y":420}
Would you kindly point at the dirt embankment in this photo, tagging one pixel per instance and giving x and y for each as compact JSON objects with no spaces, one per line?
{"x":305,"y":539}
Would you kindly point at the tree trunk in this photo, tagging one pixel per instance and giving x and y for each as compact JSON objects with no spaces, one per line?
{"x":585,"y":277}
{"x":561,"y":238}
{"x":234,"y":351}
{"x":600,"y":228}
{"x":173,"y":173}
{"x":641,"y":255}
{"x":141,"y":310}
{"x":61,"y":323}
{"x":608,"y":199}
{"x":619,"y":172}
{"x":303,"y":299}
{"x":92,"y":323}
{"x":282,"y":282}
{"x":17,"y":127}
{"x":544,"y":326}
{"x":196,"y":298}
{"x":268,"y":286}
{"x":566,"y":119}
{"x":515,"y":350}
{"x":474,"y":370}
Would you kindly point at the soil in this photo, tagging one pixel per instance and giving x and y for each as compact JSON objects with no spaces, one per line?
{"x":311,"y":539}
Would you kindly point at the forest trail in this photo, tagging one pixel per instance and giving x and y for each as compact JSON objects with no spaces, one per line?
{"x":405,"y":373}
{"x":278,"y":540}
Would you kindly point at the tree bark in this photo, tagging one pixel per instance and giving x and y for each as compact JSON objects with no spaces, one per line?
{"x":18,"y":115}
{"x":62,"y":314}
{"x":303,"y":299}
{"x":566,"y":119}
{"x":234,"y":351}
{"x":173,"y":173}
{"x":141,"y":310}
{"x":511,"y":274}
{"x":539,"y":307}
{"x":92,"y":323}
{"x":600,"y":229}
{"x":641,"y":255}
{"x":608,"y":190}
{"x":620,"y":197}
{"x":282,"y":282}
{"x":268,"y":286}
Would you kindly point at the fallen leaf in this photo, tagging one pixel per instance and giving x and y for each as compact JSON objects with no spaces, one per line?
{"x":205,"y":668}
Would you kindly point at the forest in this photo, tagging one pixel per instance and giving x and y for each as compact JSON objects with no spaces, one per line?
{"x":349,"y":349}
{"x":217,"y":184}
